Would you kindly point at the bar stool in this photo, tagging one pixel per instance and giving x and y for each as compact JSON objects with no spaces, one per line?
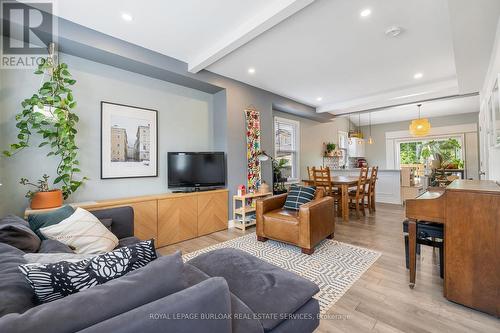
{"x":430,"y":234}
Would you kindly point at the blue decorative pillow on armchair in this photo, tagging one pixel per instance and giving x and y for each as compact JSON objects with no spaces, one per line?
{"x":299,"y":195}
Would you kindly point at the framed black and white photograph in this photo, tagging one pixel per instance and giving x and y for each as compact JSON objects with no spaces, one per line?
{"x":129,"y":141}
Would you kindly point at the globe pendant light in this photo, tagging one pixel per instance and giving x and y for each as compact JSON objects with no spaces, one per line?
{"x":420,"y":126}
{"x":370,"y":139}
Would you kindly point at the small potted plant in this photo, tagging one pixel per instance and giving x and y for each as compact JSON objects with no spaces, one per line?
{"x":330,"y":149}
{"x":43,"y":197}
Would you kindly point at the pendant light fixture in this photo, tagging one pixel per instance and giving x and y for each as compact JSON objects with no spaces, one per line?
{"x":420,"y":126}
{"x":349,"y":133}
{"x":370,"y":139}
{"x":360,"y":135}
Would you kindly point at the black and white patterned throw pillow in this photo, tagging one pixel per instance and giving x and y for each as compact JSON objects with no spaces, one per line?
{"x":299,"y":195}
{"x":55,"y":281}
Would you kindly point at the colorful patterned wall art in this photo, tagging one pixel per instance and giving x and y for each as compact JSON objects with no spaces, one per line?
{"x":252,"y":117}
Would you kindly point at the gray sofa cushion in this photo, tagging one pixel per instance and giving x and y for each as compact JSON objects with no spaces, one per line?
{"x":297,"y":323}
{"x":16,"y":295}
{"x":263,"y":287}
{"x":127,"y":241}
{"x":210,"y":298}
{"x":54,"y":246}
{"x":16,"y":232}
{"x":242,"y":316}
{"x":123,"y":220}
{"x":158,"y":279}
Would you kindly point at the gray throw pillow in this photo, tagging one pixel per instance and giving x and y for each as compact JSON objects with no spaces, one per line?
{"x":16,"y":295}
{"x":16,"y":232}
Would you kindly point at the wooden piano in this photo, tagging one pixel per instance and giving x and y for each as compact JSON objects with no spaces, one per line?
{"x":470,"y":212}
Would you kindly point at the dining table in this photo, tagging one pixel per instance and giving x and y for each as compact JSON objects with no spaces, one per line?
{"x":343,"y":183}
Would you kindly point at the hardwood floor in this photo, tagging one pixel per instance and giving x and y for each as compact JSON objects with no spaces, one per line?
{"x":381,"y":301}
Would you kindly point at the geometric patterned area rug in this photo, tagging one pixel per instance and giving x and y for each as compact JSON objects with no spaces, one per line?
{"x":334,"y":266}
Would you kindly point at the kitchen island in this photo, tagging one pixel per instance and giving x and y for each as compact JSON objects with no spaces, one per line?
{"x":388,"y":188}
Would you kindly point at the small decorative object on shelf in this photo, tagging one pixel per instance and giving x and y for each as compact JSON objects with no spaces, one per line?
{"x":241,"y":190}
{"x":244,"y":212}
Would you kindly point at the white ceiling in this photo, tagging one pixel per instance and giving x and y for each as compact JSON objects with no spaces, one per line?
{"x":428,"y":110}
{"x":304,"y":49}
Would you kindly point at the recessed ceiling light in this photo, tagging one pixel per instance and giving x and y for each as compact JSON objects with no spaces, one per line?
{"x":365,"y":12}
{"x":251,"y":70}
{"x":127,"y":17}
{"x":319,"y":99}
{"x":418,"y":76}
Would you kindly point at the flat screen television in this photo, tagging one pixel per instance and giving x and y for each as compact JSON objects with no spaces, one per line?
{"x":196,"y":169}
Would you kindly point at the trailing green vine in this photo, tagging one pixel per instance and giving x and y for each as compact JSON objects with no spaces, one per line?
{"x":57,"y":126}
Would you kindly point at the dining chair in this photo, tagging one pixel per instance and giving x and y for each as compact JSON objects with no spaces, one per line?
{"x":322,"y":179}
{"x":370,"y":192}
{"x":310,"y":173}
{"x":357,"y":196}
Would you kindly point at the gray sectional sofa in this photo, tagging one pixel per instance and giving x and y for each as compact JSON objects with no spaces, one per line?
{"x":225,"y":290}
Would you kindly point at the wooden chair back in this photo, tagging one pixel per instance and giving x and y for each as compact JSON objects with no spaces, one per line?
{"x":362,"y":181}
{"x":310,"y":173}
{"x":373,"y":180}
{"x":322,"y":179}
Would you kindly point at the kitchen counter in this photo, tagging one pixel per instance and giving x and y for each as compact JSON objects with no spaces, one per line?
{"x":388,"y":188}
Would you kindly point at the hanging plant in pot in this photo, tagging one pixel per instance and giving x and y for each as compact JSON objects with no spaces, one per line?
{"x":49,"y":113}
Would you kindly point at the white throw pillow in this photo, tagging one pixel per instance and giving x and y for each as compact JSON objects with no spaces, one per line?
{"x":83,"y":232}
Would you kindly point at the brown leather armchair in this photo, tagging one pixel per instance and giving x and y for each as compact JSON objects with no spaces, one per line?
{"x":305,"y":228}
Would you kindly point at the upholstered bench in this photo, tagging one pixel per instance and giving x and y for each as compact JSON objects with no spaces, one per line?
{"x":428,"y":233}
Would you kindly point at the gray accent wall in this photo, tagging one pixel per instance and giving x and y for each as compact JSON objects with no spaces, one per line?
{"x":186,"y":120}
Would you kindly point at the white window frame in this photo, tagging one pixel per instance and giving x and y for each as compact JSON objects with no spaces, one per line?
{"x":296,"y":162}
{"x":398,"y":142}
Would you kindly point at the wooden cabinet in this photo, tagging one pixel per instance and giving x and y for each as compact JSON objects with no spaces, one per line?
{"x":171,"y":217}
{"x":177,"y":219}
{"x":145,"y":218}
{"x":212,"y":212}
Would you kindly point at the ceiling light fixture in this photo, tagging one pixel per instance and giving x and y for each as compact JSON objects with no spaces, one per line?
{"x":365,"y":12}
{"x":127,"y":17}
{"x":418,"y":76}
{"x":420,"y":126}
{"x":370,"y":139}
{"x":393,"y":31}
{"x":319,"y":99}
{"x":251,"y":70}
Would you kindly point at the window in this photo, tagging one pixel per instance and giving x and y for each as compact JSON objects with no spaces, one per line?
{"x":286,"y":146}
{"x":419,"y":152}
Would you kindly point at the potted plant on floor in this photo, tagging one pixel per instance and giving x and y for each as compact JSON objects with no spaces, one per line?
{"x":43,"y":197}
{"x":49,"y":113}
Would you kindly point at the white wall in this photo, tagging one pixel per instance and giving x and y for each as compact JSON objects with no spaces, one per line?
{"x":312,"y":136}
{"x":492,"y":154}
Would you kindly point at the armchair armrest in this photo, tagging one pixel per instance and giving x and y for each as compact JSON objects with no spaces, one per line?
{"x":271,"y":203}
{"x":316,"y":221}
{"x":266,"y":205}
